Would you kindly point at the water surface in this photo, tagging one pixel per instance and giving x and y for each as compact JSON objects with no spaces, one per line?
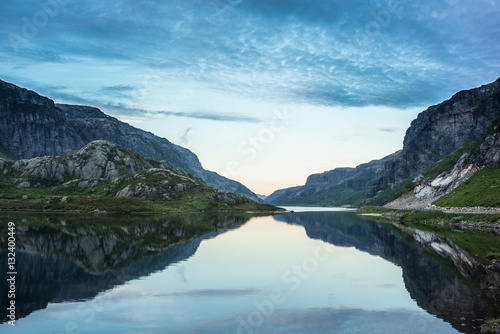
{"x":303,"y":272}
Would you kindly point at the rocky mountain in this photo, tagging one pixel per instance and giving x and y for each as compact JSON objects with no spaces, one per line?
{"x":439,"y":131}
{"x":484,"y":153}
{"x":98,"y":160}
{"x":436,"y":132}
{"x":337,"y":187}
{"x":103,"y":172}
{"x":32,"y":126}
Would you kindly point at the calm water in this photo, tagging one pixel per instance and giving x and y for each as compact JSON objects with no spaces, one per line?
{"x":302,"y":272}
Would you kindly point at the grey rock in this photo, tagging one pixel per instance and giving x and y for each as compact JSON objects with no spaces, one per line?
{"x":429,"y":191}
{"x":139,"y":190}
{"x":437,"y":131}
{"x":33,"y":126}
{"x":440,"y":130}
{"x":90,"y":163}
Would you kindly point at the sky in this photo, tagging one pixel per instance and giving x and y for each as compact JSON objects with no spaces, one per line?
{"x":265,"y":92}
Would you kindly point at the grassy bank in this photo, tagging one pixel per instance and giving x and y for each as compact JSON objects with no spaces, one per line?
{"x":482,"y":189}
{"x":50,"y":200}
{"x":431,"y":217}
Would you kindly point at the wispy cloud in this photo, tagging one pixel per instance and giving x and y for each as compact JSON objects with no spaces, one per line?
{"x":342,"y":53}
{"x":388,"y":129}
{"x":65,"y":95}
{"x":120,"y":91}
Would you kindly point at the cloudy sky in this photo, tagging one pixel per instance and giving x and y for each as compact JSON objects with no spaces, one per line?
{"x":265,"y":92}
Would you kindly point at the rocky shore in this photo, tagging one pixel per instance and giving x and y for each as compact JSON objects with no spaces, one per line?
{"x":430,"y":207}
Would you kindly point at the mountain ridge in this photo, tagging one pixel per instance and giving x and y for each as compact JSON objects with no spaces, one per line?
{"x":325,"y":188}
{"x":32,"y":125}
{"x":436,"y":132}
{"x":103,"y":175}
{"x":440,"y":130}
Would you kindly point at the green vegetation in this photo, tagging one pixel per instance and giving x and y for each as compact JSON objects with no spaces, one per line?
{"x":391,"y":194}
{"x":431,"y":217}
{"x":447,"y":163}
{"x":161,"y":189}
{"x":493,"y":321}
{"x":38,"y":201}
{"x":482,"y":189}
{"x":72,"y":198}
{"x":336,"y":197}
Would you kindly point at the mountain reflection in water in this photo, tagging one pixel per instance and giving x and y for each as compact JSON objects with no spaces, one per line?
{"x":63,"y":259}
{"x":448,"y":294}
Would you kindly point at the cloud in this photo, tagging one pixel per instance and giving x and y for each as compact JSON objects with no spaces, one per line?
{"x":336,"y":53}
{"x":213,"y":116}
{"x":120,"y":91}
{"x":226,"y":293}
{"x":388,"y":129}
{"x":65,"y":94}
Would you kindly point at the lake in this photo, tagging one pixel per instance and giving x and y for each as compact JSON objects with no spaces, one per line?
{"x":301,"y":272}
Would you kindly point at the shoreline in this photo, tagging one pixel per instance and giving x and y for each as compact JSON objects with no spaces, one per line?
{"x":471,"y":210}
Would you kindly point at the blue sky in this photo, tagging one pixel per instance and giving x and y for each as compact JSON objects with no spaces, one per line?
{"x":264,"y":92}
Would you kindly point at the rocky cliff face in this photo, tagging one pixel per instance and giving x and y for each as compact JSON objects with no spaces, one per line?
{"x":336,"y":187}
{"x":429,"y":190}
{"x":33,"y":126}
{"x":440,"y":130}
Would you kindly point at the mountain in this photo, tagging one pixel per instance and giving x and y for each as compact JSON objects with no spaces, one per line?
{"x":103,"y":175}
{"x":341,"y":186}
{"x":437,"y":132}
{"x":468,"y":177}
{"x":32,"y":126}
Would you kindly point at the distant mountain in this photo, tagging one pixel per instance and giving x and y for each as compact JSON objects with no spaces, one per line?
{"x":32,"y":126}
{"x":437,"y":132}
{"x":341,"y":186}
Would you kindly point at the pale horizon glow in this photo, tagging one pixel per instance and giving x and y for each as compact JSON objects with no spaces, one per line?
{"x":211,"y":76}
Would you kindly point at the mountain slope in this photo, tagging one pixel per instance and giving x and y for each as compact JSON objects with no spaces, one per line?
{"x":32,"y":125}
{"x":337,"y":187}
{"x":437,"y":132}
{"x":103,"y":175}
{"x":472,"y":181}
{"x":440,"y":130}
